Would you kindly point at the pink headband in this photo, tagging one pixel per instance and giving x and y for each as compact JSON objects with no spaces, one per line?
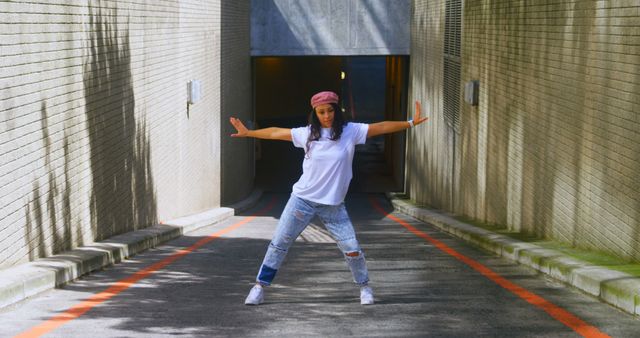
{"x":323,"y":98}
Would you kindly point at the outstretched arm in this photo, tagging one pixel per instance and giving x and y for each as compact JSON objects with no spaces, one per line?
{"x":387,"y":127}
{"x":271,"y":133}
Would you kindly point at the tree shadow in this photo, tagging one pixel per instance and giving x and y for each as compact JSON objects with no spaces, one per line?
{"x":202,"y":294}
{"x":48,"y":212}
{"x":298,"y":37}
{"x":122,"y":195}
{"x":237,"y":157}
{"x":559,"y":160}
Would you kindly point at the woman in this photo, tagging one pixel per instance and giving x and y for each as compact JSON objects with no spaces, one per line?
{"x":329,"y":144}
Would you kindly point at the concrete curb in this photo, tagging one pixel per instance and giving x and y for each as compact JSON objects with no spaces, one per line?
{"x":248,"y":202}
{"x":613,"y":287}
{"x":26,"y":280}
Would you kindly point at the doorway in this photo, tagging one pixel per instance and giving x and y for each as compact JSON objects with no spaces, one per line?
{"x":371,"y":89}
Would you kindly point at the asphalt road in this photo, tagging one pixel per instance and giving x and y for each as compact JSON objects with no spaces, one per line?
{"x":420,"y":290}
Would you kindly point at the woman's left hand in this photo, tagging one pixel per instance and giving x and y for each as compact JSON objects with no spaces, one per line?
{"x":417,"y":119}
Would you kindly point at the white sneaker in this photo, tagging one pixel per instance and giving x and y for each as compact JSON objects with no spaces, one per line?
{"x":256,"y":296}
{"x":366,"y":295}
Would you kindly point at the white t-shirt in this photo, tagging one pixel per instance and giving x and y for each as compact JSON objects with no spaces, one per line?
{"x":326,"y":169}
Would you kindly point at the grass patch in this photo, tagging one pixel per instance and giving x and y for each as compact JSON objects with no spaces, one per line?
{"x":589,"y":256}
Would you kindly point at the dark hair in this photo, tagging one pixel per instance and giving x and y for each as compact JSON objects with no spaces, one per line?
{"x":339,"y":121}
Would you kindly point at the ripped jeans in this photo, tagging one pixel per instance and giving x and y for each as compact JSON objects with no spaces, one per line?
{"x":296,"y":215}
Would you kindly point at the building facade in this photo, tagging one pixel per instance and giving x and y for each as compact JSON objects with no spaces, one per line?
{"x":553,"y":147}
{"x":97,"y":134}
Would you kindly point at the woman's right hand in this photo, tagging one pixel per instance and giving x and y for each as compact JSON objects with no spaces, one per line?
{"x":242,"y":131}
{"x":417,"y":116}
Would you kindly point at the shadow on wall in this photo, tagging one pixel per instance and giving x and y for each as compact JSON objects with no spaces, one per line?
{"x":635,"y":149}
{"x":237,"y":158}
{"x":122,"y":193}
{"x":562,"y":169}
{"x":275,"y":19}
{"x":636,"y":165}
{"x":58,"y":202}
{"x":309,"y":27}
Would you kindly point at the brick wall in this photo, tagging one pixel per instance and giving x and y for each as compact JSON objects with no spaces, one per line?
{"x":96,"y":137}
{"x":553,"y":148}
{"x":237,"y":161}
{"x":430,"y":151}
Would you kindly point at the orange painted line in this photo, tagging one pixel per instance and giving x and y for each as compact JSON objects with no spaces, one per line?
{"x":558,"y":313}
{"x":81,"y":308}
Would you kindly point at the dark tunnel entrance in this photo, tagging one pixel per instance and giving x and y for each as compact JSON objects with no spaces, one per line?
{"x":371,"y":89}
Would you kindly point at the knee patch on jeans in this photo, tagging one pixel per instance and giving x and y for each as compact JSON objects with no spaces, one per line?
{"x":349,"y":245}
{"x":354,"y":255}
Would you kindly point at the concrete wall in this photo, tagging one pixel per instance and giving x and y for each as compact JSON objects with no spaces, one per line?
{"x":96,"y":135}
{"x":329,"y":27}
{"x":553,"y":148}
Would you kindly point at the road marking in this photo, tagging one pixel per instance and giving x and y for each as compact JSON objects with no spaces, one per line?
{"x":83,"y":307}
{"x":560,"y":314}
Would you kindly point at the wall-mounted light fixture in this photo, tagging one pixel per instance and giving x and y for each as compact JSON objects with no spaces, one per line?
{"x":471,"y":90}
{"x":194,"y":91}
{"x":343,"y":75}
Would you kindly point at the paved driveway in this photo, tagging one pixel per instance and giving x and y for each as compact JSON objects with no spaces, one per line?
{"x":420,"y":290}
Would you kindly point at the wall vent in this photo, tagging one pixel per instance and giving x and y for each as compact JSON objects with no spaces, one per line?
{"x":451,"y":83}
